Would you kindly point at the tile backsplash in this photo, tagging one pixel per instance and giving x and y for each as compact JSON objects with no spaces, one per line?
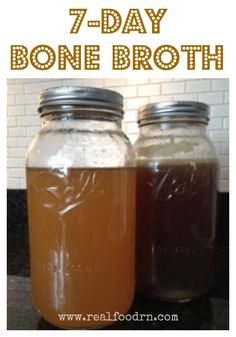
{"x":24,"y":122}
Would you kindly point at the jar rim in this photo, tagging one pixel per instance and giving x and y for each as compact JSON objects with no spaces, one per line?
{"x":82,"y":96}
{"x":173,"y":111}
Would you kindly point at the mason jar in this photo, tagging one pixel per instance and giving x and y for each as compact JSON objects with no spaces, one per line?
{"x":177,"y":170}
{"x":81,"y":207}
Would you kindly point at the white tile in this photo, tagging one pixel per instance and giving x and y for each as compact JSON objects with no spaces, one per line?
{"x":17,"y":152}
{"x":172,"y":88}
{"x":212,"y":97}
{"x":15,"y":110}
{"x":161,"y":80}
{"x":16,"y":172}
{"x":220,"y":84}
{"x":110,"y":82}
{"x":149,"y":90}
{"x":8,"y":152}
{"x":11,"y":121}
{"x":74,"y":81}
{"x":22,"y":162}
{"x":224,"y":186}
{"x":224,"y":173}
{"x":93,"y":82}
{"x":16,"y":162}
{"x":33,"y":88}
{"x":26,"y":99}
{"x":130,"y":116}
{"x":52,"y":83}
{"x":218,"y":148}
{"x":224,"y":161}
{"x":28,"y":120}
{"x":31,"y":110}
{"x":10,"y":81}
{"x":11,"y":142}
{"x":226,"y":123}
{"x":30,"y":80}
{"x":220,"y":136}
{"x":22,"y":184}
{"x":198,"y":85}
{"x":131,"y":127}
{"x":225,"y":148}
{"x":135,"y":103}
{"x":185,"y":97}
{"x":32,"y":130}
{"x":13,"y":183}
{"x":161,"y":98}
{"x":10,"y":99}
{"x":221,"y":110}
{"x":14,"y":89}
{"x":16,"y":131}
{"x":24,"y":141}
{"x":226,"y":99}
{"x":136,"y":81}
{"x":127,"y":91}
{"x":215,"y":123}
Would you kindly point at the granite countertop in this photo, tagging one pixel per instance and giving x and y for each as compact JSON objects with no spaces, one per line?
{"x":208,"y":313}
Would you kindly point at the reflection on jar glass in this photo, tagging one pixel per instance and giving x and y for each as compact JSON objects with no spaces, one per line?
{"x":177,"y":174}
{"x":81,"y":202}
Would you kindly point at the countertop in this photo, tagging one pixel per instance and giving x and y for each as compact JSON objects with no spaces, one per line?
{"x":211,"y":312}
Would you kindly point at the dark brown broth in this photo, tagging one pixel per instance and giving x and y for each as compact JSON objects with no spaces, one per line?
{"x":176,"y":207}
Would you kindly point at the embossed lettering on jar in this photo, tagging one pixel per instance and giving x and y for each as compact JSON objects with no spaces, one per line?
{"x":177,"y":171}
{"x":81,"y":202}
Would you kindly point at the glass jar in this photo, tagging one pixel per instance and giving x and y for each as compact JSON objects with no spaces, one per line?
{"x":81,"y":205}
{"x":177,"y":171}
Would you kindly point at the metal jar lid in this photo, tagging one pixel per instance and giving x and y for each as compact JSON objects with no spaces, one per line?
{"x":173,"y":111}
{"x":81,"y":96}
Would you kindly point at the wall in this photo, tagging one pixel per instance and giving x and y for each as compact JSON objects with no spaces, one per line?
{"x":24,"y":122}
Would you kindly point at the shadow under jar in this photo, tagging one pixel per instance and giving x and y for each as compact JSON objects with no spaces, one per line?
{"x":81,"y":205}
{"x":177,"y":176}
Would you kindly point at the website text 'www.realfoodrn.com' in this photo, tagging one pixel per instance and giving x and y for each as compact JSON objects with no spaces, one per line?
{"x":116,"y":316}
